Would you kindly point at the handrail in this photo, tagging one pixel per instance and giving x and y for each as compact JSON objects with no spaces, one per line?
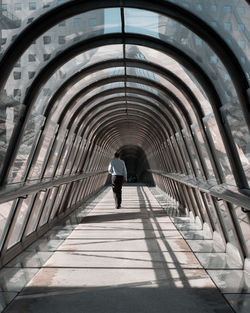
{"x":9,"y":192}
{"x":240,"y":197}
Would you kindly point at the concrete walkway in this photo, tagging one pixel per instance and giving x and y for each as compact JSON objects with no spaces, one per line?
{"x":122,"y":261}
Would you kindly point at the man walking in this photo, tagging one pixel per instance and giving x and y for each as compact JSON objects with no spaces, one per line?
{"x":117,"y":169}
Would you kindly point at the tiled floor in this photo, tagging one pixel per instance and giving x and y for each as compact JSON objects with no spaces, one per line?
{"x":135,"y":259}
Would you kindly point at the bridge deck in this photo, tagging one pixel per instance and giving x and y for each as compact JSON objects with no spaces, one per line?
{"x":133,"y":259}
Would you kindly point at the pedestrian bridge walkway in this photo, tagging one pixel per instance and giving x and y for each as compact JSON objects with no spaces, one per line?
{"x":141,"y":258}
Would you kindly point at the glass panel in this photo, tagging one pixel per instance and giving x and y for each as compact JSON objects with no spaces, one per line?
{"x":203,"y":151}
{"x":185,"y":157}
{"x":57,"y":39}
{"x":36,"y":212}
{"x":17,"y":14}
{"x":244,"y":224}
{"x":193,"y":155}
{"x":159,"y":58}
{"x":26,"y":150}
{"x":48,"y":206}
{"x":226,"y":222}
{"x":80,"y":85}
{"x":64,"y":155}
{"x":55,"y":154}
{"x":46,"y":142}
{"x":146,"y":88}
{"x":57,"y":201}
{"x":74,"y":65}
{"x":161,"y":80}
{"x":212,"y":213}
{"x":91,"y":94}
{"x":9,"y":113}
{"x":176,"y":34}
{"x":240,"y":135}
{"x":18,"y":224}
{"x":79,"y":156}
{"x":6,"y":209}
{"x":230,"y":19}
{"x":219,"y":149}
{"x":73,"y":155}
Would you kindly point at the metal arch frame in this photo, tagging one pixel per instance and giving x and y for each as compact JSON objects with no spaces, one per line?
{"x":177,"y":127}
{"x":113,"y":63}
{"x":116,"y":113}
{"x":112,"y":107}
{"x":112,"y":135}
{"x":207,"y":85}
{"x":191,"y":21}
{"x":81,"y":135}
{"x":85,"y":124}
{"x":185,"y":113}
{"x":91,"y":86}
{"x":100,"y":117}
{"x":133,"y":63}
{"x":115,"y":118}
{"x":164,"y":90}
{"x":177,"y":161}
{"x":161,"y":112}
{"x":89,"y":140}
{"x":136,"y":91}
{"x":122,"y":119}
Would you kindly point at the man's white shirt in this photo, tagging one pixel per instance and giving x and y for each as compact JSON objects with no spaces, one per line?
{"x":118,"y":167}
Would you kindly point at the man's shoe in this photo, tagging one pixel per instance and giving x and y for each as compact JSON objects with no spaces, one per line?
{"x":118,"y":207}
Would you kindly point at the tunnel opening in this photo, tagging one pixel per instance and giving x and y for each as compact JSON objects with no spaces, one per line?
{"x":137,"y":165}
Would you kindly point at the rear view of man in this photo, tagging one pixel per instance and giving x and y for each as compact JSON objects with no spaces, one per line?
{"x":117,"y":169}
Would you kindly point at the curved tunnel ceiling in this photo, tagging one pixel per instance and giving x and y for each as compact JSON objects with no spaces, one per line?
{"x":164,"y":82}
{"x":74,"y":99}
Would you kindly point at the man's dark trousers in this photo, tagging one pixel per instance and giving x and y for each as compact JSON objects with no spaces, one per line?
{"x":117,"y":189}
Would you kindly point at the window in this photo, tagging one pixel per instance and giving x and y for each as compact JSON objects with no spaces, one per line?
{"x":32,"y":5}
{"x":77,"y":21}
{"x":61,"y":40}
{"x":18,"y":64}
{"x":46,"y":40}
{"x":198,"y":42}
{"x":4,"y":7}
{"x":60,"y":1}
{"x":31,"y":57}
{"x":243,"y":60}
{"x":185,"y":4}
{"x":31,"y":74}
{"x":17,"y":92}
{"x":13,"y":37}
{"x":18,"y":6}
{"x":17,"y":75}
{"x":213,"y":59}
{"x":241,"y":27}
{"x":242,"y":44}
{"x":3,"y":41}
{"x":199,"y":7}
{"x":46,"y":57}
{"x":227,"y":9}
{"x":241,"y":10}
{"x":63,"y":23}
{"x":30,"y":20}
{"x":213,"y":8}
{"x":228,"y":26}
{"x":46,"y":92}
{"x":92,"y":22}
